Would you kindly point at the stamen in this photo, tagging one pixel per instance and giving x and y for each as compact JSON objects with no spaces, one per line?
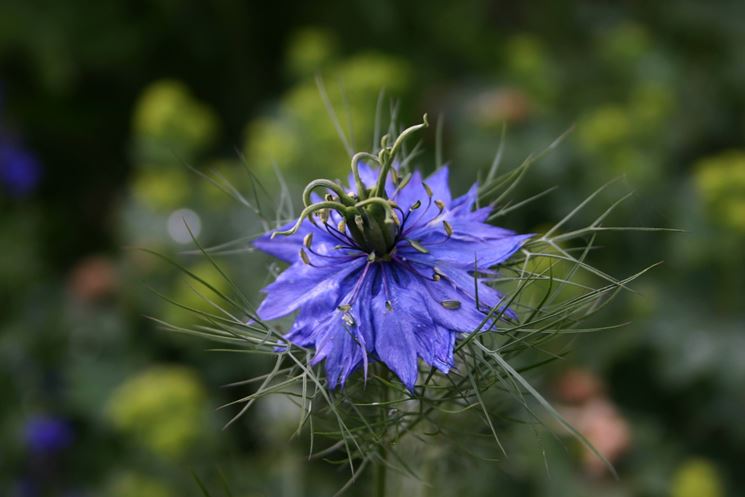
{"x":427,"y":189}
{"x":453,"y":305}
{"x":304,"y":257}
{"x":417,"y":246}
{"x":440,"y":205}
{"x":415,"y":205}
{"x":344,"y":307}
{"x":436,"y":277}
{"x":342,"y":226}
{"x":448,"y":228}
{"x":307,"y":240}
{"x":404,"y":181}
{"x":388,"y":305}
{"x":340,"y":236}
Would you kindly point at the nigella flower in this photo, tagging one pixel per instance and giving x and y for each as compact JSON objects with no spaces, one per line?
{"x":47,"y":435}
{"x":19,"y":169}
{"x":387,"y":271}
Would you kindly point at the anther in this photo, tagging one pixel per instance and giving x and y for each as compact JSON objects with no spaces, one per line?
{"x":304,"y":256}
{"x":388,"y":305}
{"x":342,"y":226}
{"x":307,"y":240}
{"x":404,"y":182}
{"x":453,"y":305}
{"x":427,"y":189}
{"x":440,"y":205}
{"x":344,"y":307}
{"x":436,"y":277}
{"x":448,"y":228}
{"x":417,"y":246}
{"x":415,"y":205}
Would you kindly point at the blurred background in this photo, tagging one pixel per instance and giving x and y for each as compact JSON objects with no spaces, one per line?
{"x":103,"y":105}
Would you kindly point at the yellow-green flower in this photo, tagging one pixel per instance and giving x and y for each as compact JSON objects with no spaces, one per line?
{"x":161,"y":189}
{"x":162,"y":409}
{"x":168,"y":120}
{"x":309,"y":50}
{"x":697,"y":478}
{"x":132,"y":484}
{"x":606,"y":127}
{"x":720,"y":180}
{"x":301,"y":137}
{"x":192,"y":294}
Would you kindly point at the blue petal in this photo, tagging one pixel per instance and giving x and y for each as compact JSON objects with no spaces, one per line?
{"x":462,"y":253}
{"x":465,"y":202}
{"x":395,"y":330}
{"x":331,"y":335}
{"x":438,"y":183}
{"x":341,"y":346}
{"x":300,"y":283}
{"x":411,"y":192}
{"x":435,"y":346}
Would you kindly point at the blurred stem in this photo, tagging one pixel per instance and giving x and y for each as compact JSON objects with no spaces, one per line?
{"x":381,"y":471}
{"x":381,"y":474}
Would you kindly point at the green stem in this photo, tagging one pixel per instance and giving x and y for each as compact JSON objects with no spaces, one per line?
{"x":381,"y":475}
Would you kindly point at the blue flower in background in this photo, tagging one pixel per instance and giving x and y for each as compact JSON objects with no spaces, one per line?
{"x":396,"y":297}
{"x":46,"y":435}
{"x":20,"y":171}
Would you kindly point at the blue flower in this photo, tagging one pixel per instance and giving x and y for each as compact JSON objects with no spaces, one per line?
{"x":19,"y":170}
{"x":47,"y":436}
{"x":363,"y":294}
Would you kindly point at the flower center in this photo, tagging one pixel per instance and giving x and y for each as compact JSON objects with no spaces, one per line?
{"x":375,"y":230}
{"x":368,"y":214}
